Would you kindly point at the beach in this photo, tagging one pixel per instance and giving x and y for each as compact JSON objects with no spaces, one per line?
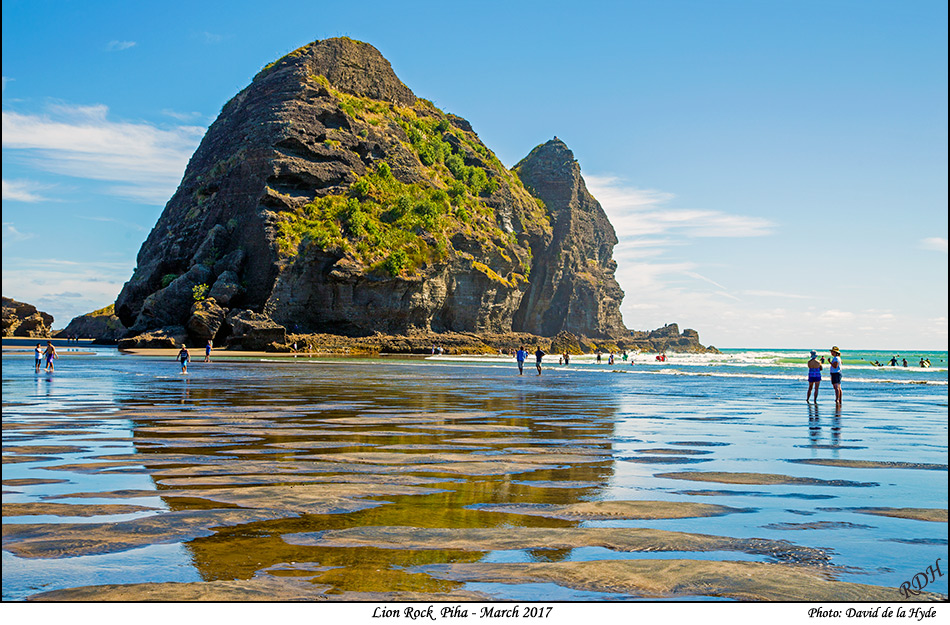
{"x":451,"y":478}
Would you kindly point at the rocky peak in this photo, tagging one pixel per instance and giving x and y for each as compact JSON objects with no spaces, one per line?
{"x":573,"y":287}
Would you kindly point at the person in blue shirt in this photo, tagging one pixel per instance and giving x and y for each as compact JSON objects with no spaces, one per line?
{"x":520,"y":356}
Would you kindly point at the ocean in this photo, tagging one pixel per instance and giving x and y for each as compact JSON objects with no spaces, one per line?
{"x":453,"y":477}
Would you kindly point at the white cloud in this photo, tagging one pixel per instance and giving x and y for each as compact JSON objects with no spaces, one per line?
{"x":937,"y":244}
{"x":755,"y":293}
{"x":21,"y":191}
{"x":210,"y":38}
{"x":63,"y":288}
{"x":7,"y":79}
{"x":636,"y":212}
{"x":81,"y":141}
{"x":117,"y":46}
{"x":180,"y":116}
{"x":10,"y":233}
{"x":837,"y":316}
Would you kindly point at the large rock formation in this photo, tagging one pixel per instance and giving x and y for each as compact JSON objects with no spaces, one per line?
{"x":102,"y":325}
{"x":327,"y":198}
{"x":21,"y":319}
{"x":573,"y":287}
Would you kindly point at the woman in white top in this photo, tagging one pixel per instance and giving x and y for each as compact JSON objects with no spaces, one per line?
{"x":836,"y":373}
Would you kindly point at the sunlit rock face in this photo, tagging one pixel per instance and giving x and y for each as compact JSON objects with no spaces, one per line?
{"x":330,"y":198}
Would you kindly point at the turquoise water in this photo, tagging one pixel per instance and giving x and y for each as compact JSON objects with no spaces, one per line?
{"x":740,"y":411}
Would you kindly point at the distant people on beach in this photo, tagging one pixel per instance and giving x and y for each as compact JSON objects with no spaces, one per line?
{"x":598,"y":358}
{"x":624,"y":355}
{"x":835,"y":371}
{"x":184,"y":357}
{"x":208,"y":352}
{"x":924,"y":362}
{"x":814,"y":375}
{"x":539,"y":355}
{"x":520,"y":356}
{"x":567,"y":358}
{"x":894,"y":361}
{"x":904,"y":362}
{"x":661,"y":357}
{"x":50,"y":355}
{"x":38,"y":356}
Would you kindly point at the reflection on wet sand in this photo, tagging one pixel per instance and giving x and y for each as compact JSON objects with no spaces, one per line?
{"x":345,"y":486}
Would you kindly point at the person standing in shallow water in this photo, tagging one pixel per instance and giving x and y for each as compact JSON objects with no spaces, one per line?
{"x":520,"y":356}
{"x":836,"y":373}
{"x":50,"y":354}
{"x":38,"y":357}
{"x":208,"y":352}
{"x":539,"y":355}
{"x":814,"y":375}
{"x":184,"y":357}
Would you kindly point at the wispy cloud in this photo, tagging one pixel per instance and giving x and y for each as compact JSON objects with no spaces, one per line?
{"x":81,"y":141}
{"x":210,"y":38}
{"x":118,"y":46}
{"x":937,"y":244}
{"x":21,"y":191}
{"x":755,"y":293}
{"x":182,"y":116}
{"x":10,"y":233}
{"x":7,"y":79}
{"x":637,"y":212}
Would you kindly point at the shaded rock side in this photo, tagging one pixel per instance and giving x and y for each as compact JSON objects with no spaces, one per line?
{"x":102,"y":325}
{"x":573,"y":288}
{"x":256,"y":218}
{"x":22,"y":319}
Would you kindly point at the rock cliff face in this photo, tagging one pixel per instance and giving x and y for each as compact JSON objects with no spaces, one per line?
{"x":21,"y":319}
{"x":573,"y":287}
{"x":328,"y":198}
{"x":102,"y":325}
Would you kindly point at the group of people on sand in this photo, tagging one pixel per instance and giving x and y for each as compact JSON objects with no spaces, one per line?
{"x":49,"y":355}
{"x":815,"y":367}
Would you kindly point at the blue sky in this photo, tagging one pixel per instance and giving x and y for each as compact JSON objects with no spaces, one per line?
{"x":776,"y":171}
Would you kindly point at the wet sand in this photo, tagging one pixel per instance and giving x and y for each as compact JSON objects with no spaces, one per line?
{"x":359,"y":482}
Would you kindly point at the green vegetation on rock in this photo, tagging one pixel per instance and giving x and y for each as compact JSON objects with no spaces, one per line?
{"x":394,"y":227}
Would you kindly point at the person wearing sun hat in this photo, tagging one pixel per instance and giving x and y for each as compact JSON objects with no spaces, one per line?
{"x":836,"y":372}
{"x":814,"y":375}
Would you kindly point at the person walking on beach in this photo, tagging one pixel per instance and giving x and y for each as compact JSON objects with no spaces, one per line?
{"x":208,"y":351}
{"x":38,"y":357}
{"x":520,"y":356}
{"x":814,"y":375}
{"x":836,"y":373}
{"x":539,"y":355}
{"x":50,"y":354}
{"x":184,"y":357}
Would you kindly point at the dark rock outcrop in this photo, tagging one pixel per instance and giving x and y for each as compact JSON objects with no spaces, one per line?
{"x":327,"y":198}
{"x":21,"y":319}
{"x":668,"y":339}
{"x":167,"y":337}
{"x":307,"y":128}
{"x":102,"y":325}
{"x":573,"y":287}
